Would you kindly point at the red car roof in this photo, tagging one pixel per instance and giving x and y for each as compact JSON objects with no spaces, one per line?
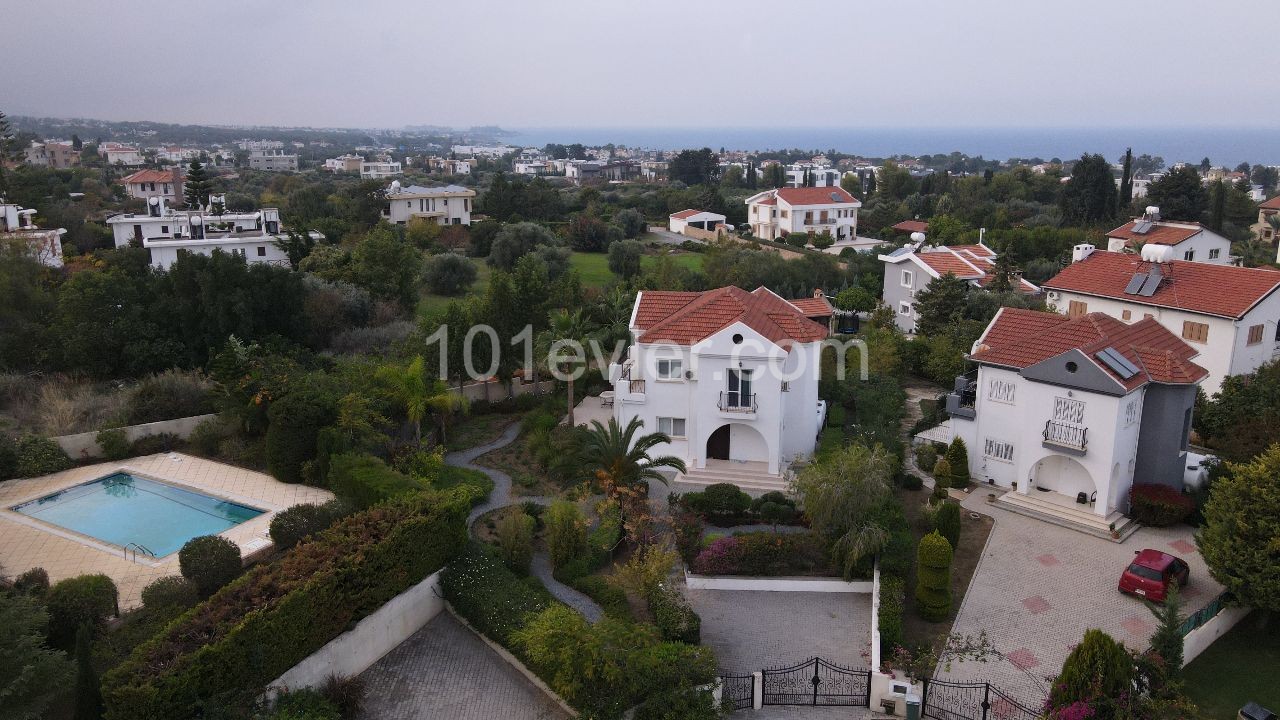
{"x":1153,"y":559}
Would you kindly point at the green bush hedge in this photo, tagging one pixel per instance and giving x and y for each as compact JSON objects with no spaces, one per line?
{"x":33,"y":582}
{"x":8,"y":457}
{"x":611,"y":598}
{"x":39,"y":456}
{"x":295,"y":423}
{"x":79,"y":600}
{"x":114,"y":443}
{"x":169,"y":395}
{"x":1159,"y":505}
{"x":210,"y":562}
{"x":225,"y":650}
{"x":947,"y":522}
{"x":673,"y":615}
{"x":491,"y":597}
{"x":170,"y":593}
{"x":292,"y":524}
{"x":364,"y":480}
{"x":892,"y":599}
{"x":933,"y":577}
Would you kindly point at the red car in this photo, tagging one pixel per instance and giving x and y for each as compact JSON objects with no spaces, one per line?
{"x":1151,"y":572}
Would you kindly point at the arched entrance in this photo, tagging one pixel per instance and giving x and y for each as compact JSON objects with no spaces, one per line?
{"x":718,"y":444}
{"x":1063,"y":475}
{"x":740,"y":442}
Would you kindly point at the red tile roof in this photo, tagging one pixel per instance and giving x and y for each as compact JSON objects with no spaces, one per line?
{"x":1159,"y":234}
{"x":1020,"y":338}
{"x":148,"y":176}
{"x":1272,"y":204}
{"x":814,"y":307}
{"x":815,"y":196}
{"x":1222,"y":290}
{"x":981,"y":251}
{"x":685,"y":214}
{"x":949,"y":262}
{"x":688,"y":318}
{"x":912,"y":226}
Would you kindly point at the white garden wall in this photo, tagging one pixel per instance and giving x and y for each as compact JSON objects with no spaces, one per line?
{"x":1202,"y":637}
{"x":776,"y":584}
{"x":85,"y":445}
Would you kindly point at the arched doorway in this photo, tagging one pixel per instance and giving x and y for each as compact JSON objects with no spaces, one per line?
{"x":1063,"y":475}
{"x":718,"y":444}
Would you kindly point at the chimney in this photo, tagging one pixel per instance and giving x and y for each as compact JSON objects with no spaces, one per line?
{"x":1081,"y":252}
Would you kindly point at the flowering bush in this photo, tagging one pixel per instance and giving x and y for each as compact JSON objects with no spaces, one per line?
{"x":766,"y":554}
{"x":1159,"y":505}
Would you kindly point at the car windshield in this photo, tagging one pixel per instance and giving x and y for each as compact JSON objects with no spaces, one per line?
{"x":1144,"y":572}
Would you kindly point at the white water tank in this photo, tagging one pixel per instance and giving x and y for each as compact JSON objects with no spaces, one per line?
{"x":1154,"y":253}
{"x":1081,"y":251}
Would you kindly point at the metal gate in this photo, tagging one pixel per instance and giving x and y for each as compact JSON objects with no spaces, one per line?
{"x":945,"y":700}
{"x":816,"y":682}
{"x":737,"y":692}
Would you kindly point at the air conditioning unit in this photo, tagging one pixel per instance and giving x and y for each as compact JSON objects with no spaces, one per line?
{"x":688,"y":375}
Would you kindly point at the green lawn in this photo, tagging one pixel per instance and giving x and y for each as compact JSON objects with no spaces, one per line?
{"x":1242,"y":665}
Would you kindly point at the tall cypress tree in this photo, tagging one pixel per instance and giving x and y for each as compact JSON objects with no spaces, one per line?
{"x":1126,"y":180}
{"x":198,"y":187}
{"x":88,"y":691}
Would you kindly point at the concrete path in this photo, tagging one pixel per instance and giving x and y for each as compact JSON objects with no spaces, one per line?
{"x":501,"y":497}
{"x":445,"y":671}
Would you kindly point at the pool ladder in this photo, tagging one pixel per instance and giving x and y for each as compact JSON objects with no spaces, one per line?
{"x":136,"y":548}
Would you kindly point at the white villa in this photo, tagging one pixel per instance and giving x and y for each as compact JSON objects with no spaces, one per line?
{"x":773,"y":214}
{"x":1190,"y":241}
{"x":447,"y":205}
{"x":16,"y":225}
{"x":146,"y":184}
{"x":344,"y":164}
{"x":120,"y":154}
{"x":273,"y":161}
{"x":1070,"y":412}
{"x":730,"y":375}
{"x":911,"y":268}
{"x":1230,"y":314}
{"x":165,"y":232}
{"x":379,"y":169}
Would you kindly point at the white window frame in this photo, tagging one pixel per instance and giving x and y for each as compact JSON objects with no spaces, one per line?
{"x":1215,"y":253}
{"x":904,"y":307}
{"x":1131,"y":412}
{"x":674,"y":368}
{"x":998,"y":450}
{"x":1002,"y":391}
{"x":667,"y":426}
{"x":908,"y":278}
{"x":1189,"y":256}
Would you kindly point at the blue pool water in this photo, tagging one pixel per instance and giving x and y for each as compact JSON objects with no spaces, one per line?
{"x":122,"y":509}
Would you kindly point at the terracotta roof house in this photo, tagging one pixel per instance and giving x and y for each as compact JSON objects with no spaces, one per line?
{"x":731,"y":376}
{"x":1070,"y":412}
{"x":146,"y":184}
{"x":911,"y":268}
{"x":1190,"y":241}
{"x":774,"y":214}
{"x":1229,"y":314}
{"x":911,"y":226}
{"x":1267,"y":210}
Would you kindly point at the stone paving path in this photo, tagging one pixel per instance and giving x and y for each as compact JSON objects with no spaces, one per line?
{"x":501,"y":497}
{"x":445,"y":671}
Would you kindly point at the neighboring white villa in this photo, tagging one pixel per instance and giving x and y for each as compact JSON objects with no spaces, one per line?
{"x":1190,"y":241}
{"x":146,"y":184}
{"x":379,"y":169}
{"x":1230,"y":314}
{"x":1071,"y":412}
{"x":911,"y":268}
{"x":16,"y":225}
{"x":165,"y":232}
{"x":447,"y":205}
{"x":775,"y":213}
{"x":730,"y":375}
{"x":273,"y":161}
{"x":818,"y":175}
{"x":344,"y":164}
{"x":120,"y":154}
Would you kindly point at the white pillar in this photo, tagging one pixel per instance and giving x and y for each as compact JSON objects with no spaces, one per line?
{"x":757,"y":690}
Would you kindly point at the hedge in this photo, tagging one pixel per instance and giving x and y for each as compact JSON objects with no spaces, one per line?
{"x":675,"y":618}
{"x":611,"y":598}
{"x":228,"y":648}
{"x":38,"y":456}
{"x":600,"y":544}
{"x":76,"y":601}
{"x":947,"y":522}
{"x":892,"y":599}
{"x":295,"y":422}
{"x":491,"y":597}
{"x":766,"y":554}
{"x":933,"y":577}
{"x":366,"y":481}
{"x":1159,"y":505}
{"x":725,"y":505}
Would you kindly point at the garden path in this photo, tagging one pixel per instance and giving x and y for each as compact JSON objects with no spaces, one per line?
{"x":501,"y":497}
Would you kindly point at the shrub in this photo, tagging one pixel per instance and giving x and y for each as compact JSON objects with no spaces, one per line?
{"x":365,"y":480}
{"x":88,"y":695}
{"x":170,"y":593}
{"x":364,"y":340}
{"x":766,"y":554}
{"x":114,"y":443}
{"x":209,"y":562}
{"x":207,"y":437}
{"x":725,"y":499}
{"x":8,"y":457}
{"x":958,"y":458}
{"x":304,"y":704}
{"x":33,"y":582}
{"x":947,"y":522}
{"x":291,"y":525}
{"x":489,"y":595}
{"x":911,"y":481}
{"x":679,"y":704}
{"x":933,"y":577}
{"x":566,"y":532}
{"x":514,"y":535}
{"x":631,"y":222}
{"x":673,"y":615}
{"x":39,"y":456}
{"x":892,"y":599}
{"x":295,"y":421}
{"x":448,"y":274}
{"x":346,"y":693}
{"x":226,"y":650}
{"x":1159,"y":505}
{"x":926,"y":456}
{"x":624,"y":258}
{"x":168,"y":395}
{"x":688,"y":528}
{"x":611,"y":598}
{"x":1097,"y":668}
{"x":85,"y":599}
{"x":156,"y":443}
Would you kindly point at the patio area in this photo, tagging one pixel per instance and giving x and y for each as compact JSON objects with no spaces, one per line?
{"x":594,"y":407}
{"x":26,"y":542}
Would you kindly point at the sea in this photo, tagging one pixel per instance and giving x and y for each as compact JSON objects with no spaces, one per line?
{"x":1223,"y":145}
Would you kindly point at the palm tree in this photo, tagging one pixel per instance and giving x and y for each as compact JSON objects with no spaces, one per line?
{"x":418,"y":395}
{"x":444,"y":404}
{"x":621,"y":459}
{"x":566,"y":325}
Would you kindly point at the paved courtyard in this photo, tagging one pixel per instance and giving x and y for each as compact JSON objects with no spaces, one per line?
{"x":445,"y":671}
{"x":749,"y":630}
{"x":26,"y":543}
{"x":1038,"y":587}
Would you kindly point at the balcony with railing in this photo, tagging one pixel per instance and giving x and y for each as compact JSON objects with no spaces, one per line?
{"x":1061,"y":436}
{"x":737,"y":402}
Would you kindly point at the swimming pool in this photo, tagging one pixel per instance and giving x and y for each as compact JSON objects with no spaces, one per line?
{"x":121,"y":509}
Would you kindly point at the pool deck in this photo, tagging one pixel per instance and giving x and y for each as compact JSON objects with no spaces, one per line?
{"x":26,"y":543}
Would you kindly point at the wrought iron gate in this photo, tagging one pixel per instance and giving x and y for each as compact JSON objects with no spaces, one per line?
{"x":737,"y":692}
{"x":944,"y":700}
{"x":816,"y":682}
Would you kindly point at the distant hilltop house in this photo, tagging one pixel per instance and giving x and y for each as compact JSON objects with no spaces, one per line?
{"x":447,"y":205}
{"x":581,"y":171}
{"x":165,"y":233}
{"x":256,"y":145}
{"x":812,"y":174}
{"x":119,"y":154}
{"x":911,"y":226}
{"x":1266,"y":211}
{"x":146,"y":184}
{"x":1230,"y":314}
{"x":449,"y":166}
{"x":911,"y":268}
{"x":17,"y":226}
{"x":1070,"y":412}
{"x":344,"y":164}
{"x":731,"y":376}
{"x":1190,"y":241}
{"x":379,"y":169}
{"x":774,"y":214}
{"x":52,"y":154}
{"x":698,"y":224}
{"x":273,"y":161}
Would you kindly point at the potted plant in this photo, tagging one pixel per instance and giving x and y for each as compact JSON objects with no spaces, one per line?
{"x":991,"y":497}
{"x":1115,"y":534}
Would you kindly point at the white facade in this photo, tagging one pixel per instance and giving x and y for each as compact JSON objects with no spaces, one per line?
{"x":344,"y":163}
{"x":699,"y":219}
{"x":819,"y":175}
{"x":273,"y":161}
{"x":376,"y":170}
{"x":165,"y":233}
{"x":773,"y":214}
{"x":448,"y":205}
{"x":118,"y":154}
{"x":1191,"y":242}
{"x":17,"y":225}
{"x":146,"y":184}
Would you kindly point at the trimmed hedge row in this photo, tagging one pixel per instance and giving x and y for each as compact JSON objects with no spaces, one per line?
{"x":892,"y":599}
{"x":1159,"y":505}
{"x":225,"y":650}
{"x":366,"y":480}
{"x":492,"y":598}
{"x":933,"y":577}
{"x":766,"y":554}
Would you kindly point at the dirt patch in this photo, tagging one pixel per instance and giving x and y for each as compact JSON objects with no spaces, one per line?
{"x":475,"y":430}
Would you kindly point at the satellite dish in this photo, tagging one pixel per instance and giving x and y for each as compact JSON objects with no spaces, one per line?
{"x":197,"y":220}
{"x":917,"y":236}
{"x":154,"y":200}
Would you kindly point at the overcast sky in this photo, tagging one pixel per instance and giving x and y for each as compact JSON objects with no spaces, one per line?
{"x":661,"y":63}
